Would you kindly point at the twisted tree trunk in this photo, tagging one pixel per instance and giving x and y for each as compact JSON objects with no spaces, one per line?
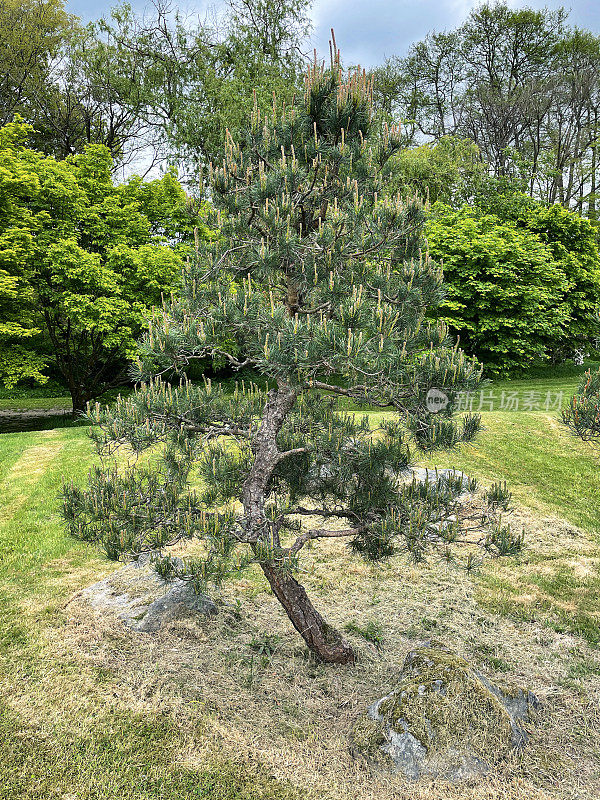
{"x":323,"y":640}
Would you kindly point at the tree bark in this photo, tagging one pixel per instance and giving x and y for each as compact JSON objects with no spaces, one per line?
{"x":322,"y":640}
{"x":79,"y":399}
{"x":592,"y":200}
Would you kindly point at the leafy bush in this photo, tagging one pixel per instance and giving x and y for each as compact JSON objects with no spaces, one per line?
{"x":523,"y":279}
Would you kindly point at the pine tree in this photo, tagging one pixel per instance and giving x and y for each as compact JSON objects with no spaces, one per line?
{"x":317,"y":283}
{"x":582,"y":415}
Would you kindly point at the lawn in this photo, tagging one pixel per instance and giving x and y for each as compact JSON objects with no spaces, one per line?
{"x":107,"y":751}
{"x":35,"y":403}
{"x":90,"y":711}
{"x":51,"y":395}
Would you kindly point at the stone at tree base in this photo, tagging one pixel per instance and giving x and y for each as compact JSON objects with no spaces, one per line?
{"x":143,"y":600}
{"x":444,"y":720}
{"x":426,"y":475}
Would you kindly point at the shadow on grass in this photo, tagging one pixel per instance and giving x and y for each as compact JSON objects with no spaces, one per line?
{"x":19,"y":421}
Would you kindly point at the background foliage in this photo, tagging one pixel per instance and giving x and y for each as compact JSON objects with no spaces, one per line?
{"x":82,"y":261}
{"x":501,"y":109}
{"x":523,"y":279}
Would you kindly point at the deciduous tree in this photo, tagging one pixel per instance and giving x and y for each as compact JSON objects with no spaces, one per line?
{"x":82,"y":260}
{"x":520,"y":83}
{"x":33,"y":32}
{"x":523,"y":279}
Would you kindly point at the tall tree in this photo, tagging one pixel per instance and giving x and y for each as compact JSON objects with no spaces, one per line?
{"x":522,"y":85}
{"x":317,"y":283}
{"x":33,"y":32}
{"x":510,"y":71}
{"x":570,"y":129}
{"x":169,"y":86}
{"x":84,"y":259}
{"x":96,"y":94}
{"x":434,"y":83}
{"x":151,"y":87}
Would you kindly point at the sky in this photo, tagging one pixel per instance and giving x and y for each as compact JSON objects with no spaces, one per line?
{"x":368,"y":31}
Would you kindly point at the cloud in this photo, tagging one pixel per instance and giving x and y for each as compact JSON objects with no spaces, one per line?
{"x":369,"y":32}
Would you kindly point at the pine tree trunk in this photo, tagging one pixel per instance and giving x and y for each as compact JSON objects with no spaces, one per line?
{"x":322,"y":640}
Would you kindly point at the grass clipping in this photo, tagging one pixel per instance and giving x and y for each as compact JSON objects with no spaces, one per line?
{"x":241,"y":685}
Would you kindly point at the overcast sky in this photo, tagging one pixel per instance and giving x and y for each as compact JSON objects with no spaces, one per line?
{"x":369,"y":30}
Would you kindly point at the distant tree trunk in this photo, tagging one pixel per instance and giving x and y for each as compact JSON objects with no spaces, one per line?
{"x":592,"y":200}
{"x":79,"y":399}
{"x":323,"y":640}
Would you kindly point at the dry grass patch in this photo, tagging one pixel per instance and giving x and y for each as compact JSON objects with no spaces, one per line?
{"x":555,"y":580}
{"x":233,"y":709}
{"x":246,"y":677}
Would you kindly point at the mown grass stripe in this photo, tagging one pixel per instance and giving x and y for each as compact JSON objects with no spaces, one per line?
{"x":26,"y":472}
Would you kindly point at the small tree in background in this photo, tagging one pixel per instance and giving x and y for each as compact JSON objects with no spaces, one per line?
{"x":449,"y":170}
{"x":317,"y":284}
{"x":506,"y":294}
{"x":523,"y":279}
{"x":582,"y":415}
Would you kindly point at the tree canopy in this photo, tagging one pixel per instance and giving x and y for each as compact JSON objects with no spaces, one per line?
{"x":520,"y":83}
{"x":523,"y":279}
{"x":82,"y":261}
{"x":33,"y":32}
{"x":152,"y":86}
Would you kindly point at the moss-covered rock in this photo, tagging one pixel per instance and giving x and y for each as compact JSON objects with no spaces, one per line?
{"x":444,"y":719}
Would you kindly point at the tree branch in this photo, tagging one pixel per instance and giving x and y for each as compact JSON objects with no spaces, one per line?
{"x":319,"y":533}
{"x":293,"y":452}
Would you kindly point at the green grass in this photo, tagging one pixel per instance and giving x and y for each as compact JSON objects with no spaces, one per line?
{"x":122,"y":755}
{"x":560,"y":378}
{"x":33,"y":465}
{"x":35,"y":403}
{"x":546,"y":468}
{"x":48,"y":396}
{"x":552,"y":474}
{"x":371,"y":632}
